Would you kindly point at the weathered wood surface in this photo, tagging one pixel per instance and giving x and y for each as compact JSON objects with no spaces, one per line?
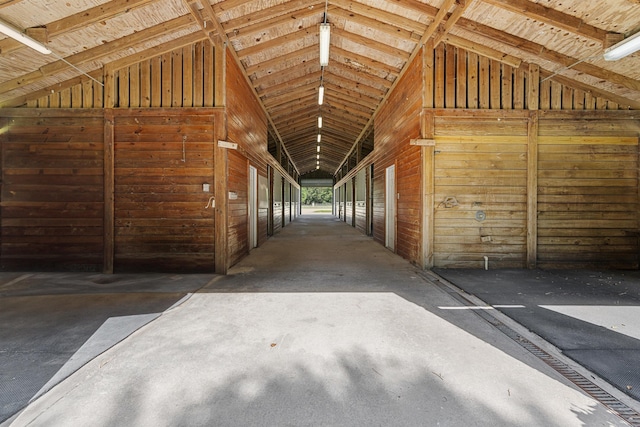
{"x":161,"y":219}
{"x":52,"y":191}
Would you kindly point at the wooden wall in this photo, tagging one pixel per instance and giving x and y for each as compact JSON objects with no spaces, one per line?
{"x":162,"y":159}
{"x":361,"y":201}
{"x":588,"y":190}
{"x":480,"y":168}
{"x":398,"y":122}
{"x":51,"y":215}
{"x":521,"y":169}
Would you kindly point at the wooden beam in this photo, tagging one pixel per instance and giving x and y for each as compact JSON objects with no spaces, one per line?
{"x":550,"y":16}
{"x":532,"y":189}
{"x":79,"y":20}
{"x":533,"y":87}
{"x":109,"y":192}
{"x":452,"y":19}
{"x":483,"y":50}
{"x":542,"y":52}
{"x":427,"y":184}
{"x":96,"y":53}
{"x":260,"y":25}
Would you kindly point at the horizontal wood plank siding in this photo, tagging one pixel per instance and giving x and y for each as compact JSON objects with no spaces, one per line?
{"x":162,"y":160}
{"x":52,"y":191}
{"x":361,"y":201}
{"x":397,"y":123}
{"x":475,"y":176}
{"x":588,"y":193}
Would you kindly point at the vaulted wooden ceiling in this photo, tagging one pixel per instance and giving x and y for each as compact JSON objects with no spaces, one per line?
{"x":276,"y":43}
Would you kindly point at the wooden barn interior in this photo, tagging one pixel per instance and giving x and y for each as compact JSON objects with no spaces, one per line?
{"x":175,"y":135}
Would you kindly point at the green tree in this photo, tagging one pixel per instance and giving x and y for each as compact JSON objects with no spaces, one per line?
{"x":317,"y":195}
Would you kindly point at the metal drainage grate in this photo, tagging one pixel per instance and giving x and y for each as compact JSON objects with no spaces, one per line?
{"x":617,"y":407}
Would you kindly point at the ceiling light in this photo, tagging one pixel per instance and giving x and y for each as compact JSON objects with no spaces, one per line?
{"x":318,"y":150}
{"x":320,"y":95}
{"x":319,"y":122}
{"x":317,"y":166}
{"x":624,"y":48}
{"x":318,"y":156}
{"x":23,"y":38}
{"x":319,"y":137}
{"x":325,"y":34}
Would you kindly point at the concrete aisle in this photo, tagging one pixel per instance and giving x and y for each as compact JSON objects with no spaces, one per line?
{"x":318,"y":327}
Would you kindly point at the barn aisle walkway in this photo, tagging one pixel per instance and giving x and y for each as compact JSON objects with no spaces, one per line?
{"x":318,"y":327}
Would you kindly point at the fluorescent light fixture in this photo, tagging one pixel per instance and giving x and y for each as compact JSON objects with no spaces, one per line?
{"x":23,"y":38}
{"x":318,"y":150}
{"x":319,"y":122}
{"x":319,"y":137}
{"x":325,"y":35}
{"x":624,"y":48}
{"x":320,"y":95}
{"x":317,"y":166}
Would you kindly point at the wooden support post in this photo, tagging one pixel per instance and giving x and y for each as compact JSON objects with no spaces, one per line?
{"x":532,"y":190}
{"x":427,"y":75}
{"x":533,"y":89}
{"x":109,"y":189}
{"x":109,"y":87}
{"x":220,"y":162}
{"x":428,"y":189}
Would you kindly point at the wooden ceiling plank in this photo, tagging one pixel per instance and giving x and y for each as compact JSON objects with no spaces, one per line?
{"x":290,"y":84}
{"x":365,"y":61}
{"x":273,"y":21}
{"x":96,"y":53}
{"x":383,"y":27}
{"x":278,"y":42}
{"x":279,"y":60}
{"x":551,"y":17}
{"x":81,"y":19}
{"x":369,"y":43}
{"x":300,"y":92}
{"x":381,"y":16}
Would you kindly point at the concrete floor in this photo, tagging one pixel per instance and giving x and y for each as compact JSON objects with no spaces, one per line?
{"x":319,"y":326}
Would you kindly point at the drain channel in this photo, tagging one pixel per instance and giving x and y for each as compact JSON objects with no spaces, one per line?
{"x":617,"y":407}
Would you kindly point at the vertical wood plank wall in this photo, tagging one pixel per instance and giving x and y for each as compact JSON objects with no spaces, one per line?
{"x":238,"y":230}
{"x":52,"y":190}
{"x":162,"y":159}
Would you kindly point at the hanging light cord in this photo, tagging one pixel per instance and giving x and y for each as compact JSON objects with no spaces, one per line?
{"x":568,"y":67}
{"x":75,"y":68}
